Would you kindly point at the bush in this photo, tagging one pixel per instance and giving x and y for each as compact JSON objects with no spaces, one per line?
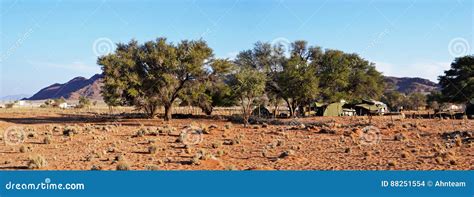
{"x":151,"y":167}
{"x":47,"y":140}
{"x":121,"y":166}
{"x":24,"y":149}
{"x":37,"y":162}
{"x":152,"y":149}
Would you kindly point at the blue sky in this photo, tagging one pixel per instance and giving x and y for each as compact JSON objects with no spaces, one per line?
{"x":43,"y":42}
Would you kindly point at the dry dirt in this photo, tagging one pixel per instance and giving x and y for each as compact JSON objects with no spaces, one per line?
{"x":314,"y":143}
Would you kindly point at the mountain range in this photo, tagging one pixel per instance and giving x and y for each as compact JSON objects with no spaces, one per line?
{"x":409,"y":85}
{"x":90,"y":88}
{"x":73,"y":89}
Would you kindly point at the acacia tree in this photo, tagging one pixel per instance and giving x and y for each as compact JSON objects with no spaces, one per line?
{"x":457,"y":83}
{"x":247,"y":85}
{"x":213,"y":91}
{"x":297,"y":83}
{"x":153,"y":74}
{"x":416,"y":100}
{"x":394,"y":99}
{"x":348,"y":76}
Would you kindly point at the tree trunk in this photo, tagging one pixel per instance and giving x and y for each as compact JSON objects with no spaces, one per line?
{"x":150,"y":110}
{"x":275,"y":111}
{"x":290,"y":108}
{"x":168,"y":109}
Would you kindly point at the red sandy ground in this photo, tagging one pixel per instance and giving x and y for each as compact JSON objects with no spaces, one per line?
{"x":258,"y":148}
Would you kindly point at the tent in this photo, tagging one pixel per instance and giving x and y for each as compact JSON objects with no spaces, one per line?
{"x":333,"y":109}
{"x":371,"y":107}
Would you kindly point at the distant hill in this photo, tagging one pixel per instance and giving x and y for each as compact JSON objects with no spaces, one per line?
{"x":14,"y":97}
{"x":409,"y":85}
{"x":73,"y":89}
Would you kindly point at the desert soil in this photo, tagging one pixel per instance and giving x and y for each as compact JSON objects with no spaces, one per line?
{"x":313,"y":143}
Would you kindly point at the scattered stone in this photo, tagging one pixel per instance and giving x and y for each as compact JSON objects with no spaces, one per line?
{"x":287,"y":153}
{"x":399,"y":137}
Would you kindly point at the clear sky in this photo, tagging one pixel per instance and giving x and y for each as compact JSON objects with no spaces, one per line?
{"x":44,"y":42}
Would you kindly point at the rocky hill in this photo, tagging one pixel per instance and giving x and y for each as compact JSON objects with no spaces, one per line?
{"x":409,"y":85}
{"x":73,"y":89}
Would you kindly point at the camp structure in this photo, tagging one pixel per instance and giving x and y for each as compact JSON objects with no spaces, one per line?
{"x":334,"y":109}
{"x":371,"y":107}
{"x":451,"y":109}
{"x":261,"y":112}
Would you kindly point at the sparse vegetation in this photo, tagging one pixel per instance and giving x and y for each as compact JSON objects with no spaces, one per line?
{"x":122,"y":166}
{"x":47,"y":139}
{"x":37,"y":162}
{"x":152,"y":149}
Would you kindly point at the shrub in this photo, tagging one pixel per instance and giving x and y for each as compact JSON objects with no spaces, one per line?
{"x":140,"y":133}
{"x":405,"y":154}
{"x":392,"y":163}
{"x":228,"y":125}
{"x":24,"y":149}
{"x":151,"y":167}
{"x":152,"y":149}
{"x":69,"y":131}
{"x":94,"y":167}
{"x":37,"y":162}
{"x":123,"y":165}
{"x":47,"y":140}
{"x":347,"y":150}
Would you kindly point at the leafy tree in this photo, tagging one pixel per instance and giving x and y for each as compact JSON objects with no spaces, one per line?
{"x":269,"y":60}
{"x":154,"y":73}
{"x":394,"y":99}
{"x":349,"y":77}
{"x":247,"y":85}
{"x":434,"y":99}
{"x":214,"y":91}
{"x":84,"y":102}
{"x":334,"y":73}
{"x":297,"y":83}
{"x":364,"y":80}
{"x":416,"y":100}
{"x":457,"y":83}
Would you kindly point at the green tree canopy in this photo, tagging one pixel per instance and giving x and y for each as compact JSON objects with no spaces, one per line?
{"x":154,"y":73}
{"x":457,"y":83}
{"x":247,"y":85}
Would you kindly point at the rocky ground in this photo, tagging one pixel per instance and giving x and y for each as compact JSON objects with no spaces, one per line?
{"x":71,"y":141}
